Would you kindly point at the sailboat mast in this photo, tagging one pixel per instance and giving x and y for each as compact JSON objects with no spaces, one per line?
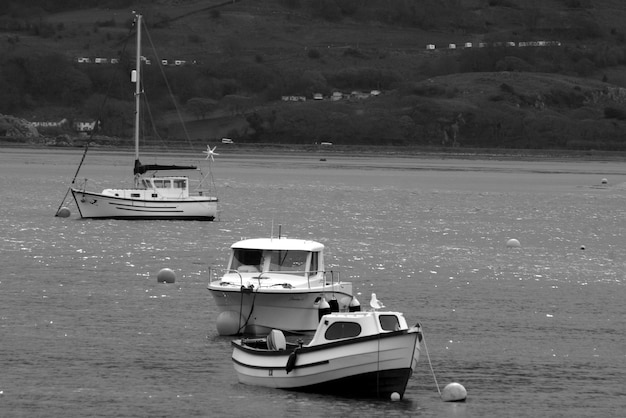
{"x":137,"y":86}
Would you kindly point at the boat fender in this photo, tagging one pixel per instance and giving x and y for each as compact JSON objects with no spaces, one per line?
{"x":323,"y":309}
{"x":334,"y":305}
{"x":355,"y":305}
{"x":291,"y":361}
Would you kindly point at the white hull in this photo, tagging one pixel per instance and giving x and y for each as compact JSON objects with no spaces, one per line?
{"x":96,"y":205}
{"x":373,"y":366}
{"x":260,"y":310}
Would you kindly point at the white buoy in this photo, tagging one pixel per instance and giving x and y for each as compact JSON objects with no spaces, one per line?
{"x":605,"y":181}
{"x":229,"y":323}
{"x":582,"y":247}
{"x":166,"y":276}
{"x":63,"y":212}
{"x":513,"y":243}
{"x":454,"y":392}
{"x":395,"y":396}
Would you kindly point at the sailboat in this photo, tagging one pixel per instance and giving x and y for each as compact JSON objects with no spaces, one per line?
{"x":154,"y":196}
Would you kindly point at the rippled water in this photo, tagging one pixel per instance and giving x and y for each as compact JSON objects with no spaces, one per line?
{"x":86,"y":330}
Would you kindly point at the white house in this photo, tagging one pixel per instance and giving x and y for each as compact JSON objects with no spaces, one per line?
{"x":83,"y":126}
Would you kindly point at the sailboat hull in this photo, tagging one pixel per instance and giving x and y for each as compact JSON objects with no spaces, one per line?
{"x":101,"y":206}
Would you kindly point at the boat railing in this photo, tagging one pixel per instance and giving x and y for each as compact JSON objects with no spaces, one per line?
{"x":81,"y":185}
{"x":329,"y":277}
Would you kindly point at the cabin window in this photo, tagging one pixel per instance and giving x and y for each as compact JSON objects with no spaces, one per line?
{"x":288,"y":261}
{"x":155,"y":195}
{"x":314,"y":263}
{"x":340,"y":330}
{"x":389,"y":322}
{"x":161,"y":184}
{"x":180,"y":184}
{"x":135,"y":195}
{"x":246,"y":257}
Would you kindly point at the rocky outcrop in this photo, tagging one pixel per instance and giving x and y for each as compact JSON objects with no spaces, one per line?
{"x":11,"y":126}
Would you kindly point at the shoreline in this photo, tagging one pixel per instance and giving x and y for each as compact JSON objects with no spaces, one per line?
{"x":254,"y":150}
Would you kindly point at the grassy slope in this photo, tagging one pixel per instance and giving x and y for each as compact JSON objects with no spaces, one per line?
{"x":248,"y":30}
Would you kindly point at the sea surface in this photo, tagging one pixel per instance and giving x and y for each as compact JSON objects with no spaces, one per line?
{"x":533,"y":331}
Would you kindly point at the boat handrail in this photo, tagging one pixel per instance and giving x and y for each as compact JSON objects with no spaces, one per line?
{"x":259,"y":276}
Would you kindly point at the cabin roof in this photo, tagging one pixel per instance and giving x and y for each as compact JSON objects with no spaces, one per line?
{"x":279,"y":244}
{"x":369,"y":323}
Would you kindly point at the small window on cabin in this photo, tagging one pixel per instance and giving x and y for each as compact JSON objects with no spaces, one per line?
{"x":389,"y":322}
{"x":340,"y":330}
{"x":179,"y":184}
{"x":135,"y":195}
{"x":161,"y":184}
{"x":155,"y":195}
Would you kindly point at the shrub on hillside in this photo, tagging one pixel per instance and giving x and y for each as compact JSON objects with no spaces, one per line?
{"x":510,"y":63}
{"x":313,"y":54}
{"x":614,"y":113}
{"x":568,"y":98}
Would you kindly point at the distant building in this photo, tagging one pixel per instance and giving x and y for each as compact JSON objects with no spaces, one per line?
{"x":84,"y":126}
{"x":49,"y":124}
{"x":337,"y":95}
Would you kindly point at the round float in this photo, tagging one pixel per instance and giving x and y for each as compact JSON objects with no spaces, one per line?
{"x":454,"y":392}
{"x":513,"y":243}
{"x":63,"y":212}
{"x":166,"y":276}
{"x":229,"y":323}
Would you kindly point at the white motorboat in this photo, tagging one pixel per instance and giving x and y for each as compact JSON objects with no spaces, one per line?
{"x":153,"y":196}
{"x":369,"y":354}
{"x":277,"y":283}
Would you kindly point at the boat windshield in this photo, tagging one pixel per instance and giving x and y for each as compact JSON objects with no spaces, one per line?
{"x":285,"y":261}
{"x":246,"y":260}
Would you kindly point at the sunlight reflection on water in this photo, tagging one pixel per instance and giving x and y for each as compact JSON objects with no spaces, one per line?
{"x":534,"y":331}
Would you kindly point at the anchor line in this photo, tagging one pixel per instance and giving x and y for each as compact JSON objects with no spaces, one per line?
{"x":429,"y":363}
{"x":241,"y":311}
{"x":97,"y":123}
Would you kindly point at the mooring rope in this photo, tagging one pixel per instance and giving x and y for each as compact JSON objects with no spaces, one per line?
{"x":429,"y":362}
{"x":96,"y":125}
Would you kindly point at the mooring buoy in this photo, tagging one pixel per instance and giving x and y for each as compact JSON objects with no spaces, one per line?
{"x":166,"y":276}
{"x":63,"y":212}
{"x":513,"y":243}
{"x":454,"y":392}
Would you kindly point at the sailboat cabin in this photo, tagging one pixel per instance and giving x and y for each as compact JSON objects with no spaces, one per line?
{"x":149,"y":188}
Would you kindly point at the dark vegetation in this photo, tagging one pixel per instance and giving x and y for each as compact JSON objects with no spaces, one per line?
{"x":243,"y":56}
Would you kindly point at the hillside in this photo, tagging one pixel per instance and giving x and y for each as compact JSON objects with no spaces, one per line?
{"x":242,"y":57}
